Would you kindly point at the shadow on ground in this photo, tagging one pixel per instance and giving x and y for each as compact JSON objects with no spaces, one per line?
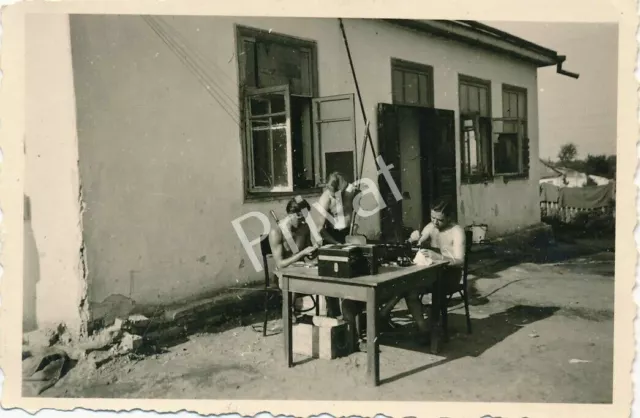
{"x":487,"y":332}
{"x":569,"y":249}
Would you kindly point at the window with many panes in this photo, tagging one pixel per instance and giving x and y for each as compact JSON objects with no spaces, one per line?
{"x":291,"y":137}
{"x":475,"y":129}
{"x":412,"y":83}
{"x":511,"y":146}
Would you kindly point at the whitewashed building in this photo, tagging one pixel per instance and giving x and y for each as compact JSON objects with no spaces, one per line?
{"x":186,"y":123}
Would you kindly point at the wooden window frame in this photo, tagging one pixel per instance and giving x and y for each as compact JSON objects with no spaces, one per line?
{"x":467,"y":178}
{"x":251,"y":93}
{"x":509,"y":88}
{"x":253,"y":34}
{"x":245,"y":33}
{"x":251,"y":193}
{"x":522,"y":131}
{"x":414,"y":67}
{"x":317,"y":120}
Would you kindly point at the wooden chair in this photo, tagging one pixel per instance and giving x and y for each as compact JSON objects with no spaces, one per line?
{"x":461,"y":289}
{"x":265,"y":249}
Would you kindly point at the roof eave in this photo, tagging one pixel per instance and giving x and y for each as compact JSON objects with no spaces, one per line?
{"x":487,"y":38}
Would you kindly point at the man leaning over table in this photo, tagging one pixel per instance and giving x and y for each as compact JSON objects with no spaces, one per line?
{"x":294,"y":226}
{"x":445,"y":241}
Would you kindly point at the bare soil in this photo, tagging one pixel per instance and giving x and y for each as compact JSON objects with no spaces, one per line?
{"x":542,"y":332}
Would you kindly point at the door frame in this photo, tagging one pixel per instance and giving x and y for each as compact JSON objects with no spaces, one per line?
{"x":391,"y":222}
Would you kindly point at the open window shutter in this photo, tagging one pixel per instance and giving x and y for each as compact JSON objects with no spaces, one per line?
{"x":464,"y":152}
{"x":486,"y":137}
{"x":334,"y":130}
{"x":477,"y":142}
{"x":526,"y":157}
{"x":268,"y":139}
{"x":389,"y":149}
{"x":524,"y":148}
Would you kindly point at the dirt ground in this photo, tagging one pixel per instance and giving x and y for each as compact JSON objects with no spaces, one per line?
{"x":542,"y":332}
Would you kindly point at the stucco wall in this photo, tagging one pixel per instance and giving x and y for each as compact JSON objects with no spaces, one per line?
{"x":54,"y":285}
{"x":161,"y":163}
{"x":506,"y":206}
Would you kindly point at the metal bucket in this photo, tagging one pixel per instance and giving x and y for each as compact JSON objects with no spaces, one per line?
{"x":479,"y":233}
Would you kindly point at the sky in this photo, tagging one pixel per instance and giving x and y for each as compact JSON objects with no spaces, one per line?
{"x":581,"y":111}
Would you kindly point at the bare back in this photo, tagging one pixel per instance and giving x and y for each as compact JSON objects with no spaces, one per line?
{"x":281,"y":248}
{"x":341,"y":209}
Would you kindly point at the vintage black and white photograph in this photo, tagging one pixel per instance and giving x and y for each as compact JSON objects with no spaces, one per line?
{"x":323,"y":209}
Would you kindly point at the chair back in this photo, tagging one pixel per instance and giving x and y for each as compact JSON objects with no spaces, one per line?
{"x":265,"y":246}
{"x":468,"y":234}
{"x":265,"y":249}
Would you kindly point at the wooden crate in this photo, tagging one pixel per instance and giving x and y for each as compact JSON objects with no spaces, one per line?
{"x":325,"y":342}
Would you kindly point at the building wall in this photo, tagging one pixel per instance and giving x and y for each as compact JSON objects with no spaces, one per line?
{"x":161,"y":163}
{"x":54,"y":285}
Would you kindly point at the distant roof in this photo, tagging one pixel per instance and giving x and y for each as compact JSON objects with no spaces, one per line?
{"x":569,"y":171}
{"x":480,"y":35}
{"x":547,"y":171}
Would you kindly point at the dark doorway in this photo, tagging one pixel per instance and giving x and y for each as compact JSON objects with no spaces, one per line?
{"x":420,"y":144}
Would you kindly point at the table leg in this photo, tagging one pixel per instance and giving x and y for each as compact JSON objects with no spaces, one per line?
{"x":286,"y":322}
{"x":434,"y":322}
{"x":373,"y":356}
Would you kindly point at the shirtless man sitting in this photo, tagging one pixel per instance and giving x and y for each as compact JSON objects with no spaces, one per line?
{"x":444,"y":240}
{"x":293,"y":229}
{"x":295,"y":226}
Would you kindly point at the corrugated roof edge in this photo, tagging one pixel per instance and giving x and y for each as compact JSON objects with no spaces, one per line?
{"x":506,"y":36}
{"x":487,"y":37}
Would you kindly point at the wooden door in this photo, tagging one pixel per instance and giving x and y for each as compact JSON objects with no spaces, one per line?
{"x":389,"y":149}
{"x":438,"y":154}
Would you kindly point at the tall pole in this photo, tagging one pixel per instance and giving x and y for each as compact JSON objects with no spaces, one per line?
{"x":364,"y":117}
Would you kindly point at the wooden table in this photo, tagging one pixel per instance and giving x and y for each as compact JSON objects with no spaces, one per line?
{"x":374,"y":290}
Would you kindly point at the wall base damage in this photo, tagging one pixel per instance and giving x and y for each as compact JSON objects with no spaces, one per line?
{"x":55,"y":280}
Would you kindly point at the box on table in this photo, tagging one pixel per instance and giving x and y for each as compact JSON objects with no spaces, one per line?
{"x":373,"y":254}
{"x":347,"y":260}
{"x":393,"y":251}
{"x":324,"y":341}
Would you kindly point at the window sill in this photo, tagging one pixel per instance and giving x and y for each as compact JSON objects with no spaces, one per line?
{"x":470,"y":181}
{"x":511,"y":177}
{"x":252,"y":197}
{"x":477,"y":180}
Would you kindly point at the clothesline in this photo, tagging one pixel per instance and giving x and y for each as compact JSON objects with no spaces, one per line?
{"x":589,"y":197}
